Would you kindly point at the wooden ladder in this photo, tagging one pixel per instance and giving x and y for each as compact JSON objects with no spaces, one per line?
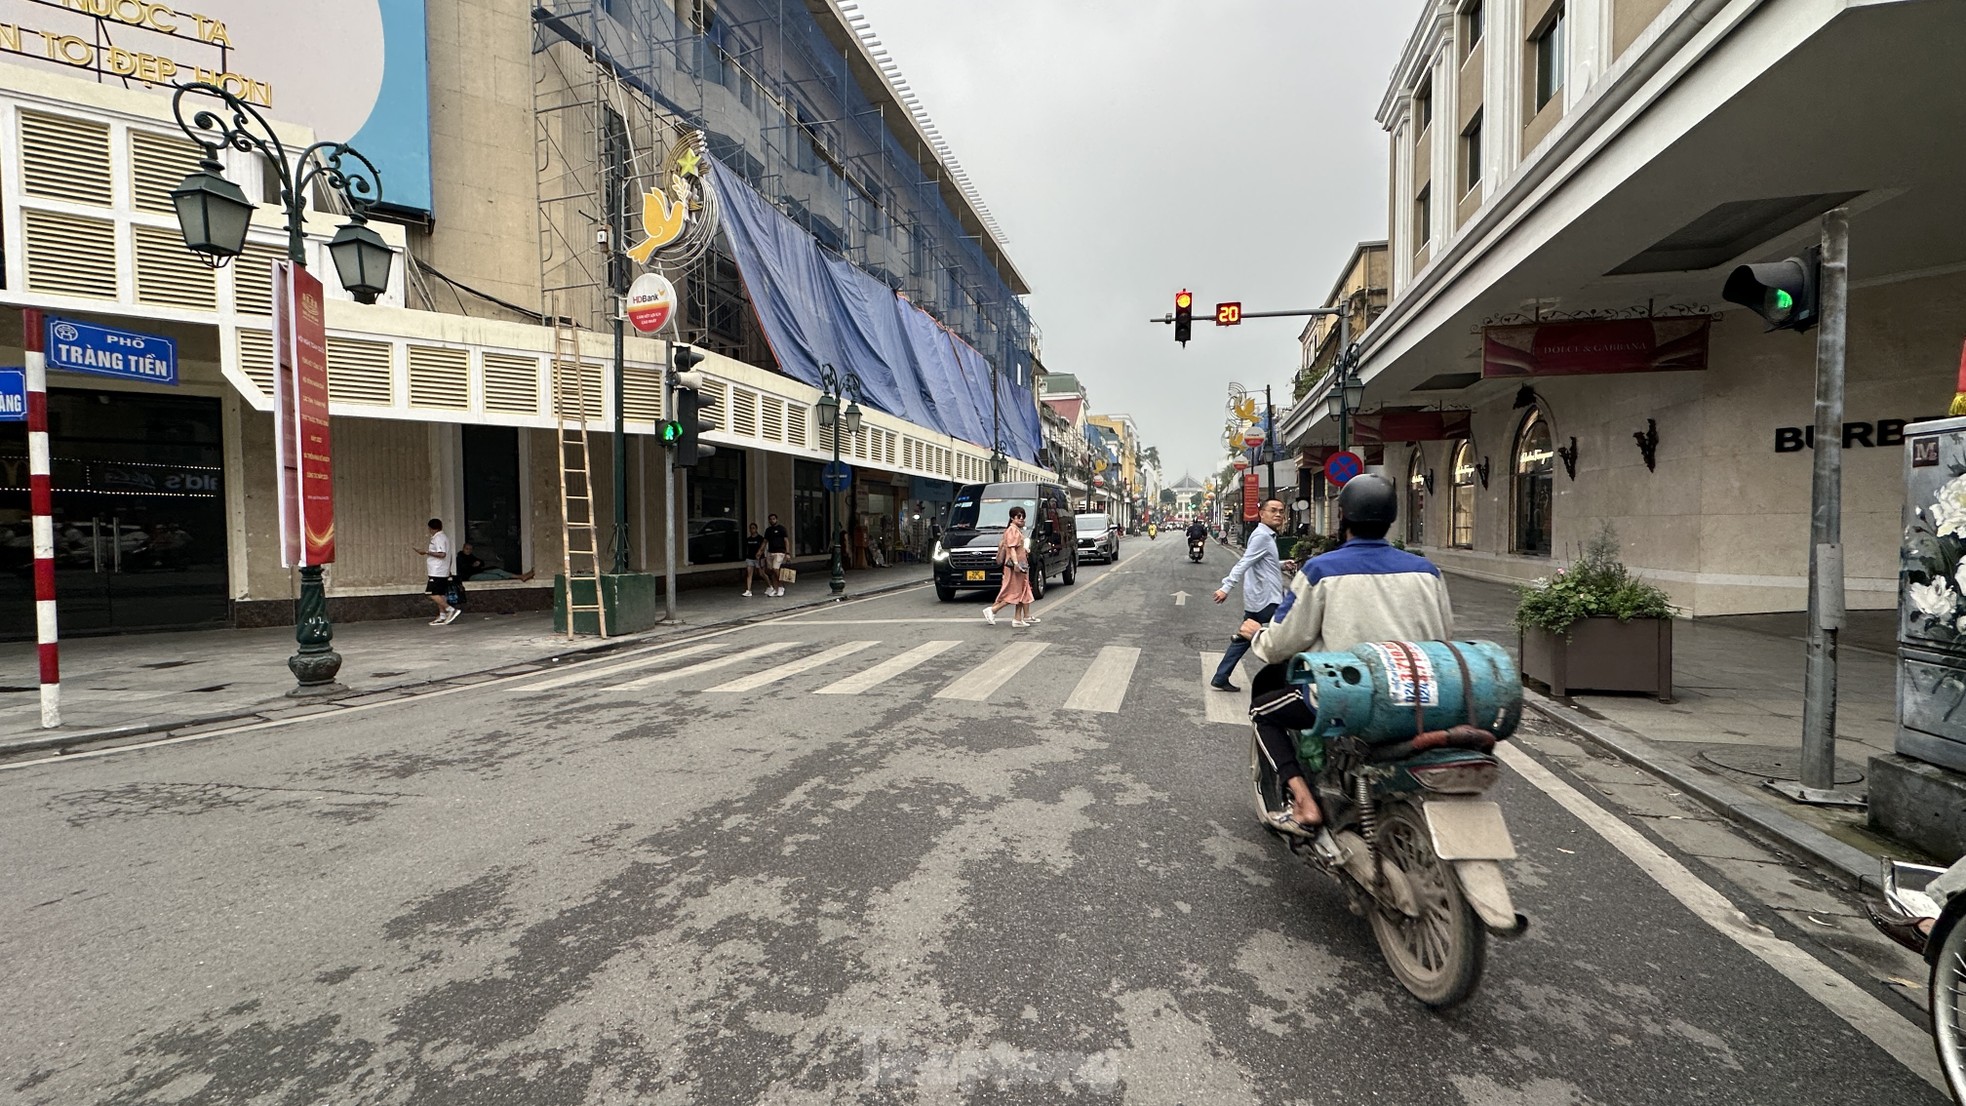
{"x":579,"y":537}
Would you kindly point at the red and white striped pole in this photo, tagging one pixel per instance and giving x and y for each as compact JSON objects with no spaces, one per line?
{"x":41,"y":493}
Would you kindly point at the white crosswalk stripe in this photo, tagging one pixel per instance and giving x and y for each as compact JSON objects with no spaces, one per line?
{"x":584,"y":673}
{"x":1223,"y":706}
{"x":707,"y":666}
{"x":889,"y":669}
{"x":980,"y":682}
{"x":1103,"y":686}
{"x":794,"y":668}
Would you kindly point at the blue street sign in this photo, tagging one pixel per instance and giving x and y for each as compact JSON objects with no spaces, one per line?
{"x":837,"y":476}
{"x":13,"y":395}
{"x":1340,"y":467}
{"x":106,"y":351}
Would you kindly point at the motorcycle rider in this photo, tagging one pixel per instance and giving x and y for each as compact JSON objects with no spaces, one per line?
{"x":1364,"y":590}
{"x":1197,"y":532}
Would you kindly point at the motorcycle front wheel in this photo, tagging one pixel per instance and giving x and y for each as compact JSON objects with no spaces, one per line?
{"x":1948,"y":999}
{"x":1437,"y":953}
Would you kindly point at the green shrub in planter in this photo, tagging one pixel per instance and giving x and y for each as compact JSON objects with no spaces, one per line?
{"x":1598,"y":585}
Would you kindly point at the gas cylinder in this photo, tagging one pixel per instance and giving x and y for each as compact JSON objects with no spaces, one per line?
{"x":1382,"y":692}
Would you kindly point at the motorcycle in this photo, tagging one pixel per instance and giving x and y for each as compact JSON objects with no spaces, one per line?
{"x":1907,"y":892}
{"x":1196,"y":547}
{"x":1398,"y":760}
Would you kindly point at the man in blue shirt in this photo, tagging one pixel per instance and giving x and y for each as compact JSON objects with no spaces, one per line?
{"x":1261,"y":577}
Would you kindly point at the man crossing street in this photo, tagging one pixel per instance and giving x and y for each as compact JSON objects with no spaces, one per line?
{"x":1261,"y":577}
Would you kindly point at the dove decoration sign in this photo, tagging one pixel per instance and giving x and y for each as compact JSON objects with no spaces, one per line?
{"x":679,"y":217}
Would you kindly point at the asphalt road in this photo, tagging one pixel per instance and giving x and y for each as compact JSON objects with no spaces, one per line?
{"x":837,"y":866}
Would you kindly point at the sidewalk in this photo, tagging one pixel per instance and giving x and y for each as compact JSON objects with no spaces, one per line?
{"x":150,"y":683}
{"x":1736,"y":721}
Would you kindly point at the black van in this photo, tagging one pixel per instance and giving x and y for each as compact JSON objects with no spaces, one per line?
{"x":966,"y":557}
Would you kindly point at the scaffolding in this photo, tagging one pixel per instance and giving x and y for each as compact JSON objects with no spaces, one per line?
{"x":772,"y":84}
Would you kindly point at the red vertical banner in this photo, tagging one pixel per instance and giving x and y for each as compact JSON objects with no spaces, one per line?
{"x":286,"y":438}
{"x":1252,"y":496}
{"x":316,"y":460}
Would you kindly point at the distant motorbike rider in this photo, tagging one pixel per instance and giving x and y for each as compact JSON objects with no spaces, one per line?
{"x":1197,"y":532}
{"x":1364,"y":590}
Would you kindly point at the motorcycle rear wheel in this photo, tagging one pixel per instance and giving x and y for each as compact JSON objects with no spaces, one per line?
{"x":1948,"y":1001}
{"x":1439,"y":954}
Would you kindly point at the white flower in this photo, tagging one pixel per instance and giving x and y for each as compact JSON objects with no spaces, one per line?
{"x":1959,"y":576}
{"x":1934,"y":600}
{"x":1949,"y":510}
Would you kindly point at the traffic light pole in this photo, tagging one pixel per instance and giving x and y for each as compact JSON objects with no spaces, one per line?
{"x":620,"y":435}
{"x":1826,"y":598}
{"x":669,"y":488}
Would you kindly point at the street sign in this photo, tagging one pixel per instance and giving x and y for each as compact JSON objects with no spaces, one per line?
{"x":1252,"y":497}
{"x":13,"y":395}
{"x":1342,"y":466}
{"x":106,"y":351}
{"x":837,"y":476}
{"x":651,"y":301}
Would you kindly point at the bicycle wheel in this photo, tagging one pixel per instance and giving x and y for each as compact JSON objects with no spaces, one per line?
{"x":1948,"y":999}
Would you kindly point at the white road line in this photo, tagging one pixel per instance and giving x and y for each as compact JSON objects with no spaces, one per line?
{"x":843,"y":603}
{"x":888,"y":669}
{"x":978,"y":683}
{"x":803,"y":664}
{"x":707,"y":666}
{"x":1907,"y":1043}
{"x":584,"y":673}
{"x":978,"y":620}
{"x":1104,"y":684}
{"x":1223,"y":706}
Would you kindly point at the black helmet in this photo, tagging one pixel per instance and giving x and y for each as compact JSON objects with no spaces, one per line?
{"x":1368,"y":498}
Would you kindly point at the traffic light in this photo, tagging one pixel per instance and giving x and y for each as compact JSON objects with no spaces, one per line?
{"x":695,"y":412}
{"x":1184,"y":316}
{"x":1782,"y":292}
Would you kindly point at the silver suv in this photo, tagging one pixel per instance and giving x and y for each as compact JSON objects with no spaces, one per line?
{"x":1099,"y":539}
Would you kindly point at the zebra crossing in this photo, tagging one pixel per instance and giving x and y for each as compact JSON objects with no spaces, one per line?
{"x":1095,"y":681}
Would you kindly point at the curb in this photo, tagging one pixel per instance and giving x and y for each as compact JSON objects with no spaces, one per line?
{"x":139,"y":729}
{"x":1855,"y":868}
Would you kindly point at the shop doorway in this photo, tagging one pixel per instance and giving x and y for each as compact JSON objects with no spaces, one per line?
{"x":139,"y":514}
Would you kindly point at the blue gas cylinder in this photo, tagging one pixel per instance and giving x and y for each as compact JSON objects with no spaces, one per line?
{"x":1382,"y":692}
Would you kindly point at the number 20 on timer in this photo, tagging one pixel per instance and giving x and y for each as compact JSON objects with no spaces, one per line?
{"x":1228,"y":314}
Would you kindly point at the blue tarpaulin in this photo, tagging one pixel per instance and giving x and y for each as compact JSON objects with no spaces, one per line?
{"x":816,"y":308}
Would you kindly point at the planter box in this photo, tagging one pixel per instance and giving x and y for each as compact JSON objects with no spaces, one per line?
{"x":633,"y":601}
{"x":1602,"y":654}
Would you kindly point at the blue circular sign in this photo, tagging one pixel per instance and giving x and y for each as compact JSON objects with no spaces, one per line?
{"x":1341,"y":466}
{"x":837,"y":476}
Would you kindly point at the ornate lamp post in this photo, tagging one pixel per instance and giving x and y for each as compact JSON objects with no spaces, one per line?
{"x":835,"y":385}
{"x":213,"y":215}
{"x":1347,"y":393}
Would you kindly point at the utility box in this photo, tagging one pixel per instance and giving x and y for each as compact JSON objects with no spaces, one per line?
{"x":633,"y":601}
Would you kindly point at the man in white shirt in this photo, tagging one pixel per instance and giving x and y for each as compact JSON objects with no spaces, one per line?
{"x":1261,"y":576}
{"x":437,"y":565}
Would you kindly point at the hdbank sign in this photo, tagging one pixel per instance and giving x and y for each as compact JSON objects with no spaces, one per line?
{"x":351,"y":70}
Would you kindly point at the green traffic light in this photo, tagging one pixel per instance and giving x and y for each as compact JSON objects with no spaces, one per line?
{"x":672,"y":431}
{"x":1781,"y":302}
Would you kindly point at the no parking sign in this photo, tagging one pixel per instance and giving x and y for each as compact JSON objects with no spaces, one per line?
{"x":1341,"y":466}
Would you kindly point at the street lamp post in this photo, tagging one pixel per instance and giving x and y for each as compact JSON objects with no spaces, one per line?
{"x":835,"y":385}
{"x":213,"y":216}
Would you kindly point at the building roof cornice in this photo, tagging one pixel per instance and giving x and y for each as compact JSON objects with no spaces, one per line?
{"x":1433,"y":31}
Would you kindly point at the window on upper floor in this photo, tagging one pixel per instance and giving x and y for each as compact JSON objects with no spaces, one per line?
{"x":1550,"y":59}
{"x":1471,"y":155}
{"x":1423,"y":217}
{"x":1470,"y":27}
{"x":1423,"y":108}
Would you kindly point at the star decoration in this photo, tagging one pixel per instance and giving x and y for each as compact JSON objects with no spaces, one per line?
{"x":689,"y":164}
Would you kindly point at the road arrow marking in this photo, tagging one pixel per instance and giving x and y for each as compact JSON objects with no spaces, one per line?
{"x":1180,"y":598}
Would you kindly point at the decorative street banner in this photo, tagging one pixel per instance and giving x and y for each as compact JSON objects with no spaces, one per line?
{"x":107,"y":351}
{"x":353,"y":71}
{"x":1596,"y":347}
{"x":302,"y":448}
{"x":1252,"y":496}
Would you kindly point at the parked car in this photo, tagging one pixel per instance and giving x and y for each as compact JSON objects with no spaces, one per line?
{"x":1099,"y":538}
{"x":965,"y":558}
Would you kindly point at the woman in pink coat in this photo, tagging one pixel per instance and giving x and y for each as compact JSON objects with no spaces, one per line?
{"x":1016,"y":564}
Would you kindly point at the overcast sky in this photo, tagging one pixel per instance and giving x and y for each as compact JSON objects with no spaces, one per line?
{"x":1130,"y":148}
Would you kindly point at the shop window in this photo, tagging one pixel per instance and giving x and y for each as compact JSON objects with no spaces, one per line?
{"x":1416,"y":499}
{"x":493,"y":514}
{"x":809,"y":507}
{"x":716,"y":509}
{"x":1535,"y":488}
{"x":1463,"y":497}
